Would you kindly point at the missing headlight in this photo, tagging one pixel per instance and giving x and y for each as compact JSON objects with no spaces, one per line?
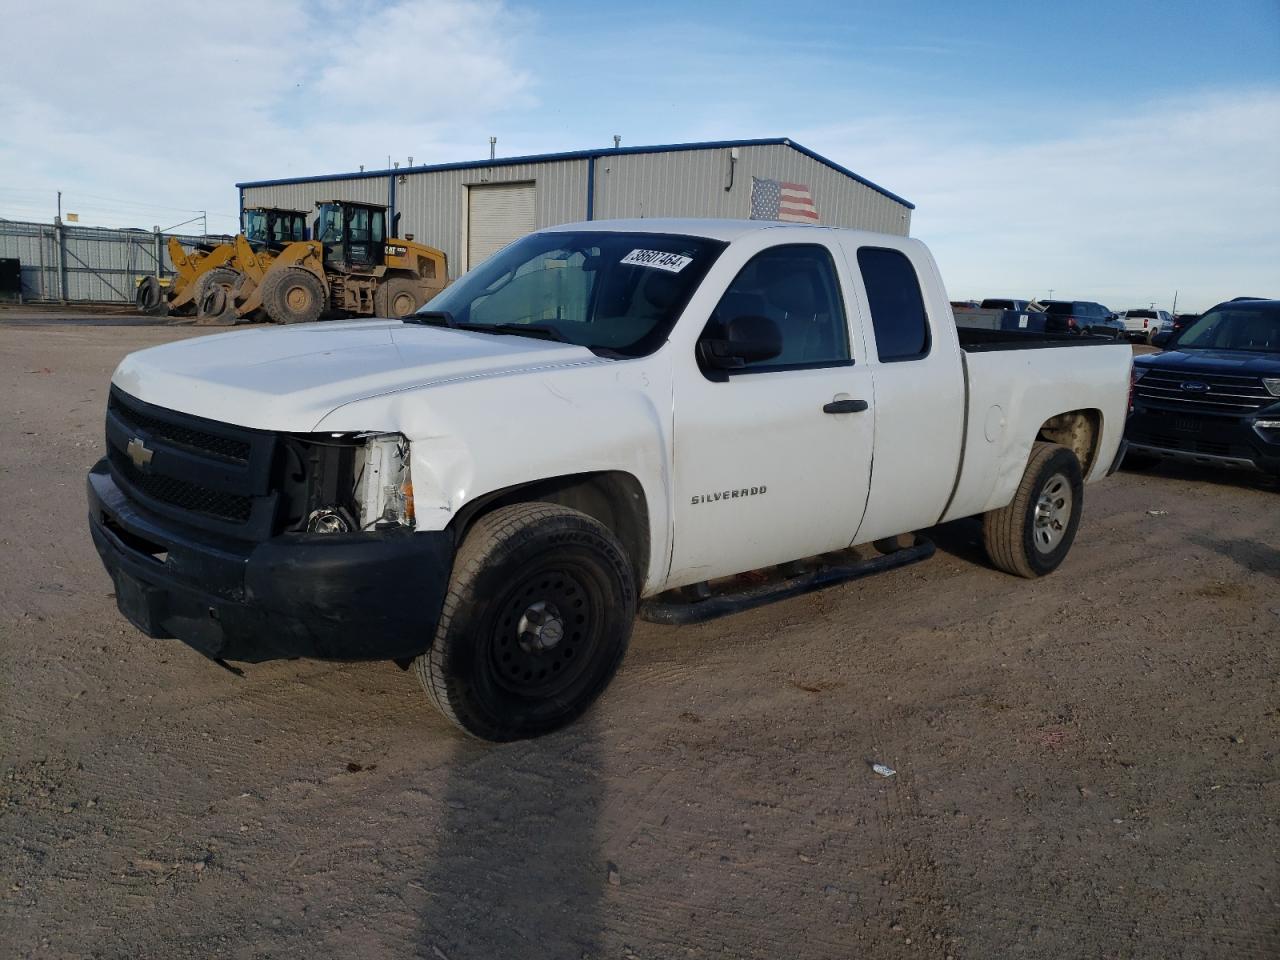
{"x":385,"y":488}
{"x":338,"y":483}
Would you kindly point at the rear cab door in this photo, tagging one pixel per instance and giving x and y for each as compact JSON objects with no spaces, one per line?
{"x":914,"y":358}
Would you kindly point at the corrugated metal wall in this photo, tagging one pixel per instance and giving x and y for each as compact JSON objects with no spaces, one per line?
{"x":433,"y":205}
{"x":691,"y":183}
{"x":94,"y":263}
{"x":678,"y":183}
{"x":305,"y":196}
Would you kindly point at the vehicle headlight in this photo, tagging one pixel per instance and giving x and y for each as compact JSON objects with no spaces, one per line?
{"x":1272,"y":384}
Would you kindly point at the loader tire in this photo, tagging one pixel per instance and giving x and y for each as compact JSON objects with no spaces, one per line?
{"x":536,"y":620}
{"x":150,"y":297}
{"x":398,"y":297}
{"x":215,"y":308}
{"x":293,"y":295}
{"x":1031,"y":536}
{"x":223,"y":277}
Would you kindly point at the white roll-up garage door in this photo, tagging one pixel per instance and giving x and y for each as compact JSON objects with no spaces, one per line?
{"x":496,"y":215}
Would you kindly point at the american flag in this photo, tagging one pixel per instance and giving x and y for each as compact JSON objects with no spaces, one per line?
{"x":778,"y":200}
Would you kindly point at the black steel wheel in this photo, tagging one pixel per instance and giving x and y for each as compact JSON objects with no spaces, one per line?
{"x":537,"y":618}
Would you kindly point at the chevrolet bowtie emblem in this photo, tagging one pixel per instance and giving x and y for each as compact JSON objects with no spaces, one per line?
{"x":139,"y":453}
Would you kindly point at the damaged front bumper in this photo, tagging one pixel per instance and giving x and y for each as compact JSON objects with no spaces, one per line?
{"x":361,"y":596}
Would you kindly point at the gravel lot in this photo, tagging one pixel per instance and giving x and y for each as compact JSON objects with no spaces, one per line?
{"x":1087,"y":765}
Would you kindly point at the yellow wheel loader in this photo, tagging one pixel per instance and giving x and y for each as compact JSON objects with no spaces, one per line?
{"x":211,"y":266}
{"x":351,"y":268}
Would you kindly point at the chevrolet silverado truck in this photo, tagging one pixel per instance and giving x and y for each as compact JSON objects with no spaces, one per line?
{"x":603,"y":419}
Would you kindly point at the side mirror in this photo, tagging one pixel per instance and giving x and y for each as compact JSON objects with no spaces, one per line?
{"x":742,"y":340}
{"x":1113,"y":316}
{"x":1160,"y":339}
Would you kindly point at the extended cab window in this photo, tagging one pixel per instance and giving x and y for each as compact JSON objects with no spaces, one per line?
{"x":896,"y":304}
{"x":794,"y":288}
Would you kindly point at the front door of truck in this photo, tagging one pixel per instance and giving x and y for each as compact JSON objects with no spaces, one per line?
{"x":772,"y":458}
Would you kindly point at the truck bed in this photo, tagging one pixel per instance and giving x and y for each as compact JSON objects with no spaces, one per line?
{"x":979,"y":340}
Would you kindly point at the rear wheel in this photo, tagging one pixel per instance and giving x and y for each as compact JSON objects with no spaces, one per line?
{"x":537,"y":618}
{"x":293,"y":295}
{"x":1031,"y":536}
{"x":398,"y":297}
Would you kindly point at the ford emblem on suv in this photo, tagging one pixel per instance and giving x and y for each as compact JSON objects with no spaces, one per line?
{"x":1195,"y":386}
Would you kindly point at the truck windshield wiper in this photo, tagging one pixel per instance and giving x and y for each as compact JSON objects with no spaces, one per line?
{"x":431,"y":318}
{"x":537,"y":330}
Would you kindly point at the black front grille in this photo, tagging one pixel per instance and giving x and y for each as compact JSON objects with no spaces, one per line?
{"x":224,"y":448}
{"x":201,"y":472}
{"x":1225,"y":394}
{"x":184,"y":494}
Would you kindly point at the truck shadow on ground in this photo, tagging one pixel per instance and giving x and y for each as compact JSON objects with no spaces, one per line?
{"x":961,"y":539}
{"x":518,"y":870}
{"x":1252,"y":555}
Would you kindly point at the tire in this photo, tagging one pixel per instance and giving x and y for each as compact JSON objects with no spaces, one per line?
{"x":522,"y":570}
{"x":1031,"y":536}
{"x":215,"y":309}
{"x":149,"y":298}
{"x":223,"y":277}
{"x":398,"y":297}
{"x":293,"y":295}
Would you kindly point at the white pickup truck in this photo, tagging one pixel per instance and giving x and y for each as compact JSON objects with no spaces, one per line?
{"x":604,"y":418}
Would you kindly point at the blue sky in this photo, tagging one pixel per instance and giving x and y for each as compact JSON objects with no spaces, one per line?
{"x":1107,"y":151}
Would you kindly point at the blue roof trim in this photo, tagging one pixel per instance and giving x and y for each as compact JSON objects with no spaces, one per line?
{"x":582,"y":155}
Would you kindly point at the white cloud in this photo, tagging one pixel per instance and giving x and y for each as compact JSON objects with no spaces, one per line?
{"x":165,"y":106}
{"x":1125,"y":207}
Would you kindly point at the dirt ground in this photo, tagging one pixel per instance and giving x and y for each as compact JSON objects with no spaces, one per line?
{"x":1087,"y":766}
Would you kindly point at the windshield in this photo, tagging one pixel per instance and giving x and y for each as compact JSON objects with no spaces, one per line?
{"x":618,"y":293}
{"x":1255,"y":327}
{"x":255,"y":225}
{"x":329,"y":223}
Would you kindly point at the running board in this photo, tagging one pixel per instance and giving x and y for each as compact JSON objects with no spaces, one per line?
{"x":699,"y":604}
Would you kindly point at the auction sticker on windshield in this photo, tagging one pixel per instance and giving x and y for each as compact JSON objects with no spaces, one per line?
{"x":658,"y":259}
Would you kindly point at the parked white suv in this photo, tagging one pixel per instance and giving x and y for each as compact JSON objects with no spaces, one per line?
{"x":1145,"y":324}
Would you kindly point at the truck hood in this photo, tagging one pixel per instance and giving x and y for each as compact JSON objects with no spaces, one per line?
{"x":290,"y":378}
{"x":1239,"y":362}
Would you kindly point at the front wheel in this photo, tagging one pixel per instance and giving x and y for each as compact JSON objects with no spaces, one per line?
{"x":537,"y":619}
{"x":293,"y":295}
{"x":1031,"y":536}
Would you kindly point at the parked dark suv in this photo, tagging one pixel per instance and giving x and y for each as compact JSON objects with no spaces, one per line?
{"x":1081,"y":316}
{"x":1214,"y":395}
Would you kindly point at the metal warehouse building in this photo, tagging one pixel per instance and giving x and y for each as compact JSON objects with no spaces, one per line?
{"x":471,"y":209}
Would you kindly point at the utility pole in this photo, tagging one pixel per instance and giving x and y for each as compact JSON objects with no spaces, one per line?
{"x":1174,"y":311}
{"x":1051,"y":293}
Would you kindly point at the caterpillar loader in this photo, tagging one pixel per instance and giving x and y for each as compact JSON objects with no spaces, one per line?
{"x":351,"y":268}
{"x":214,"y":265}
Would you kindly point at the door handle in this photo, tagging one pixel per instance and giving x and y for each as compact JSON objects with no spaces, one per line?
{"x":845,"y":406}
